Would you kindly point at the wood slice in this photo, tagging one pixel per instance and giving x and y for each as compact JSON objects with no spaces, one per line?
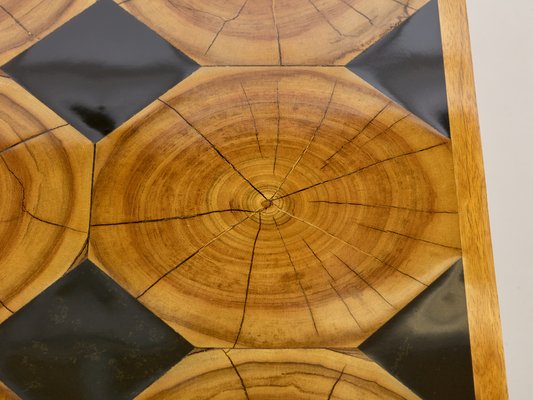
{"x":260,"y":207}
{"x":267,"y":32}
{"x":6,"y":393}
{"x":45,"y":179}
{"x":276,"y":374}
{"x":24,"y":23}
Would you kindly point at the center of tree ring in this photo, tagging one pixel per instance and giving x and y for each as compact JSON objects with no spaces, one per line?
{"x":266,"y":204}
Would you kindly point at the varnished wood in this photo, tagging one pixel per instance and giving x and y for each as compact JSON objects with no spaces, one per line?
{"x":270,"y":32}
{"x":45,"y":173}
{"x":6,"y":393}
{"x":482,"y":297}
{"x":277,"y":375}
{"x":270,"y":207}
{"x":24,"y":23}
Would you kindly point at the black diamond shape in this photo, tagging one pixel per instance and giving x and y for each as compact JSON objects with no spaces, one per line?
{"x":407,"y":65}
{"x":100,"y":68}
{"x":427,"y":344}
{"x":85,"y":338}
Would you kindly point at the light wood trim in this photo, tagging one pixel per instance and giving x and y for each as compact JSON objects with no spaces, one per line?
{"x":480,"y":280}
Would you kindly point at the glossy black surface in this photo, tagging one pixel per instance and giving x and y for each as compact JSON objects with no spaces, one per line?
{"x":85,"y":338}
{"x":100,"y":68}
{"x":426,"y":346}
{"x":407,"y":66}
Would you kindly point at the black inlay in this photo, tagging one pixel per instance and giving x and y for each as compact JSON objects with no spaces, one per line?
{"x":100,"y":68}
{"x":85,"y":338}
{"x":426,"y":345}
{"x":407,"y":65}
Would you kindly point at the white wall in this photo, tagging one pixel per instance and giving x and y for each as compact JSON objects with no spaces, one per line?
{"x":502,"y":41}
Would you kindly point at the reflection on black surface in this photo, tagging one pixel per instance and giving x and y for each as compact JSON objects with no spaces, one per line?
{"x":407,"y":65}
{"x":100,"y":68}
{"x":85,"y":338}
{"x":426,"y":345}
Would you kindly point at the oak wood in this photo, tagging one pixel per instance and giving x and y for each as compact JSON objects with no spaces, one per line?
{"x":482,"y":296}
{"x":45,"y":180}
{"x":276,"y":374}
{"x":274,"y":207}
{"x":24,"y":23}
{"x":270,"y":32}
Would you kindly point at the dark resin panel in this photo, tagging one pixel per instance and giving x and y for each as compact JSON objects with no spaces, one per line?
{"x":100,"y":68}
{"x":407,"y":65}
{"x":427,"y":345}
{"x":85,"y":338}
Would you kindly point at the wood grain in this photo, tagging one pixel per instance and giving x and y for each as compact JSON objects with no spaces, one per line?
{"x":276,"y":374}
{"x":6,"y":393}
{"x":482,"y":296}
{"x":45,"y":179}
{"x":269,"y":207}
{"x":24,"y":23}
{"x":272,"y":32}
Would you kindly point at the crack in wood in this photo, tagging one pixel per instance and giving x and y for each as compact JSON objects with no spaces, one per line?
{"x":238,"y":374}
{"x":248,"y":283}
{"x":253,"y":119}
{"x":362,"y":14}
{"x":325,"y":18}
{"x":360,"y":170}
{"x":351,"y":245}
{"x":364,"y":280}
{"x":197,"y":251}
{"x":6,"y":307}
{"x":319,"y":260}
{"x":23,"y":202}
{"x":31,"y":35}
{"x":297,"y":275}
{"x":179,"y":217}
{"x":276,"y":27}
{"x":346,"y":305}
{"x":278,"y":126}
{"x":214,"y":148}
{"x":315,"y":134}
{"x":356,"y":135}
{"x":192,"y":9}
{"x":384,"y":206}
{"x":386,"y":130}
{"x":24,"y":141}
{"x":330,"y":395}
{"x":75,"y":263}
{"x":223,"y":25}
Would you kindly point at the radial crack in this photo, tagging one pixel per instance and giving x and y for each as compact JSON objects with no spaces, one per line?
{"x":386,"y":129}
{"x":23,"y":203}
{"x":17,"y":21}
{"x":280,"y":54}
{"x":253,"y":119}
{"x":248,"y":283}
{"x":238,"y":374}
{"x":277,"y":132}
{"x":364,"y":280}
{"x":214,"y":148}
{"x":359,"y":170}
{"x":6,"y":307}
{"x":358,"y":12}
{"x":230,"y":228}
{"x":383,"y":206}
{"x":319,"y":260}
{"x":24,"y":141}
{"x":330,"y":395}
{"x":356,"y":135}
{"x":297,"y":275}
{"x":179,"y":217}
{"x":346,"y":305}
{"x":351,"y":245}
{"x":325,"y":17}
{"x":315,"y":133}
{"x":224,"y":25}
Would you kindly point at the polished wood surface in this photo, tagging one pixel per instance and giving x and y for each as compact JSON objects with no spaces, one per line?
{"x":24,"y":23}
{"x":45,"y":172}
{"x":267,"y":32}
{"x":273,"y":208}
{"x":480,"y":280}
{"x":277,"y":375}
{"x":280,"y":219}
